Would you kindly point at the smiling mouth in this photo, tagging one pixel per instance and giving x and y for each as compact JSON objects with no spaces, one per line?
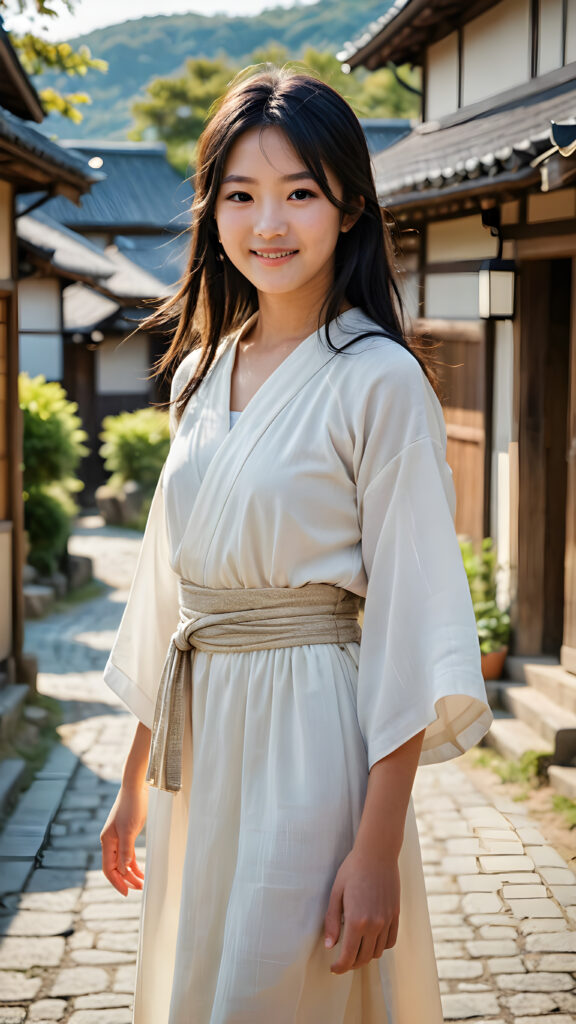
{"x":274,"y":255}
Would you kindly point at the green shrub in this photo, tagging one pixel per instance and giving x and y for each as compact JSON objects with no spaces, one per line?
{"x":135,"y":446}
{"x":53,"y":445}
{"x":53,"y":434}
{"x":492,"y":622}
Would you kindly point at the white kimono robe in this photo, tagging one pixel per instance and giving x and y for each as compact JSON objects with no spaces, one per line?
{"x":334,"y":473}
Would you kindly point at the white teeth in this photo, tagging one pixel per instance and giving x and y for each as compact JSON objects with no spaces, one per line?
{"x":275,"y":255}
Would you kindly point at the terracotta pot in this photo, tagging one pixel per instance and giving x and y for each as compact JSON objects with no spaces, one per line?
{"x":493,"y":663}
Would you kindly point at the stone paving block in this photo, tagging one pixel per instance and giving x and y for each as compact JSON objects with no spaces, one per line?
{"x":528,"y":892}
{"x":530,"y":1002}
{"x":557,"y":876}
{"x":121,"y":1015}
{"x":553,"y":962}
{"x":124,"y":980}
{"x":492,"y":947}
{"x":534,"y":908}
{"x":462,"y":1006}
{"x":103,"y":1001}
{"x":47,"y":1009}
{"x":79,"y":981}
{"x":506,"y":863}
{"x":447,"y":934}
{"x":129,"y":909}
{"x":16,"y":987}
{"x":443,"y":904}
{"x":49,"y":880}
{"x":503,"y":920}
{"x":121,"y":925}
{"x":479,"y":883}
{"x":505,"y":835}
{"x":81,"y":939}
{"x":553,"y":942}
{"x":439,"y":884}
{"x":549,"y":1018}
{"x":14,"y":873}
{"x":101,"y":956}
{"x":13,"y":1014}
{"x":544,"y":924}
{"x":23,"y":953}
{"x":32,"y":922}
{"x":481,"y":903}
{"x":459,"y":969}
{"x":506,"y":965}
{"x":489,"y":931}
{"x":545,"y":856}
{"x":127,"y":942}
{"x":459,"y":865}
{"x":64,"y":860}
{"x":565,"y":894}
{"x":448,"y":950}
{"x":463,"y":847}
{"x":74,"y":801}
{"x":531,"y":837}
{"x":483,"y":815}
{"x":536,"y":981}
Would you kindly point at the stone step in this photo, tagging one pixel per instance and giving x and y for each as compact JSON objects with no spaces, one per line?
{"x":563,"y":780}
{"x":555,"y":682}
{"x":12,"y":770}
{"x":512,"y":738}
{"x":38,"y":600}
{"x":12,"y":698}
{"x":516,"y":665}
{"x":555,"y":724}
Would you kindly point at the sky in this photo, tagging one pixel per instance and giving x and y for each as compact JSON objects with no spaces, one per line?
{"x":89,"y":14}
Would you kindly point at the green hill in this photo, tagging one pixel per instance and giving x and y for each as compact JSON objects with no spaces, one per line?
{"x":146,"y":48}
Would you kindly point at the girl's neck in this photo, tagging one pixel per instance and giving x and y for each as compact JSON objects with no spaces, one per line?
{"x":282,"y":319}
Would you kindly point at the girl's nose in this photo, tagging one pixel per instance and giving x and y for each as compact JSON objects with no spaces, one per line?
{"x":270,"y":224}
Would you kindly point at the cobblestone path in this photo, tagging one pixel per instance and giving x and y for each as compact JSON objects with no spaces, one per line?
{"x":502,"y":901}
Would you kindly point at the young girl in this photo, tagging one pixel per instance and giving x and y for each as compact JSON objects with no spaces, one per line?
{"x":307,"y":470}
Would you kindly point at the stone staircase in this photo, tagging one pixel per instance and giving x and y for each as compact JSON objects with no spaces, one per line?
{"x":535,"y":709}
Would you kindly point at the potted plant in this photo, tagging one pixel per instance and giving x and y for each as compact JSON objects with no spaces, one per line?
{"x":492,"y":622}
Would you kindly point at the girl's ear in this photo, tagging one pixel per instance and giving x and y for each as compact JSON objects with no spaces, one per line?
{"x":349,"y":219}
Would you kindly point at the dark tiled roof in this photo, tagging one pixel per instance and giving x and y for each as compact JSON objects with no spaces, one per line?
{"x":84,"y":309}
{"x":17,"y":94}
{"x":478,"y":150}
{"x":382,"y":132}
{"x":72,"y":163}
{"x":66,"y":250}
{"x":372,"y":30}
{"x":140,"y":190}
{"x":164,"y":256}
{"x":129,"y":281}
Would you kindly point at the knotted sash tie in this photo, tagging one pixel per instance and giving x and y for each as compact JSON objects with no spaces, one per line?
{"x":231,"y":622}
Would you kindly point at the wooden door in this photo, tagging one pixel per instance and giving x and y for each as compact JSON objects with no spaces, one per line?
{"x":545,"y":301}
{"x":568,"y":650}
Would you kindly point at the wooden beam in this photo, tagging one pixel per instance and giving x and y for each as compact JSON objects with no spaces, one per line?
{"x":470,"y":331}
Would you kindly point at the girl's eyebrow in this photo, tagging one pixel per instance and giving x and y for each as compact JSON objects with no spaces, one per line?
{"x":298,"y":176}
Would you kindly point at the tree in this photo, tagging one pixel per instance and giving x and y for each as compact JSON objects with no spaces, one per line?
{"x":37,"y":55}
{"x":175,"y":109}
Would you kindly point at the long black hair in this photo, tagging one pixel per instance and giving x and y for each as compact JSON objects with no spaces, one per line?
{"x":214,"y":298}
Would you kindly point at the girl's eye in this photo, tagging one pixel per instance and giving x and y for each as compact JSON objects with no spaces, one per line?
{"x":239,"y":197}
{"x":302,"y":193}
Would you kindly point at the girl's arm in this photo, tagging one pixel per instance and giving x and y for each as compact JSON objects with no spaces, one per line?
{"x":127,"y":817}
{"x":366,"y":889}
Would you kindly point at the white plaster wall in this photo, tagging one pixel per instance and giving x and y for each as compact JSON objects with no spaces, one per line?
{"x":42,"y":353}
{"x":463,"y":238}
{"x":6,"y":589}
{"x":503,"y":435}
{"x":451,"y":295}
{"x":571,"y":31}
{"x":442,"y":77}
{"x":5,"y":230}
{"x":549,"y":36}
{"x":496,"y":51}
{"x":39,"y":304}
{"x":122,"y":368}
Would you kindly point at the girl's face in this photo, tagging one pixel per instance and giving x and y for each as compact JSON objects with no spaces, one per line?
{"x":276,"y":225}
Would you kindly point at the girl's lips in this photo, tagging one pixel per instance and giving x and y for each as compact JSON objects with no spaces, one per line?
{"x":274,"y":257}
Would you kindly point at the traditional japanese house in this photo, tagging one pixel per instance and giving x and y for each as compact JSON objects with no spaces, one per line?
{"x":29,"y":162}
{"x":477,"y":181}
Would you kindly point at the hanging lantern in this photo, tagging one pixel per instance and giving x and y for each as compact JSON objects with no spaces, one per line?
{"x":496,"y":289}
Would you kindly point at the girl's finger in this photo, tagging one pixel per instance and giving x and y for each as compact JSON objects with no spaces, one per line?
{"x":380,"y":944}
{"x":350,"y":945}
{"x":365,"y":952}
{"x":332,"y":921}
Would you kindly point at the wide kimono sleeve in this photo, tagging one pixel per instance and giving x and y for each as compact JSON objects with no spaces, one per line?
{"x":134,"y":667}
{"x":419,"y":662}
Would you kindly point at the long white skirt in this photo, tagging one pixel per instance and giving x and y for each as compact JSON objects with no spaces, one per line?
{"x":240,"y":863}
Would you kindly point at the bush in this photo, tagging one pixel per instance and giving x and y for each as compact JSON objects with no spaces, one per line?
{"x":52,"y":448}
{"x":135,"y":447}
{"x":492,"y":623}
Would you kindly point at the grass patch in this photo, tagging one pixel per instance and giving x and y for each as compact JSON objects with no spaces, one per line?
{"x":87,"y":592}
{"x":529,"y":770}
{"x":566,"y":807}
{"x":33,"y":743}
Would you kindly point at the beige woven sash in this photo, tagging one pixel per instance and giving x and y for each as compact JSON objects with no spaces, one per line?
{"x":232,"y":621}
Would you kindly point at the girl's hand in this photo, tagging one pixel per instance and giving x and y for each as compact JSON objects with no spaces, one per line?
{"x":366,"y":891}
{"x":124,"y":823}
